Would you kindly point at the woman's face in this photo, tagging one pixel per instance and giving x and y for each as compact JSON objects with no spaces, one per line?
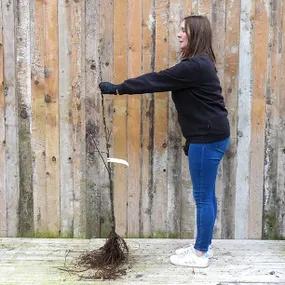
{"x":182,"y":36}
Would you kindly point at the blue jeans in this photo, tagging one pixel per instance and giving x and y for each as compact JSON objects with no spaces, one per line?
{"x":204,"y":160}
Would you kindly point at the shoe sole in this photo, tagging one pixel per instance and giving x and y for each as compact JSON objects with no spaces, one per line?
{"x":209,"y":255}
{"x":193,"y":266}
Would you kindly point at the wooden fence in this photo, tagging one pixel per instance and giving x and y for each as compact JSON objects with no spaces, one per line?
{"x":53,"y":54}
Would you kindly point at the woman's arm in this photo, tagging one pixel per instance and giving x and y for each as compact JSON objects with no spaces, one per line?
{"x":183,"y":75}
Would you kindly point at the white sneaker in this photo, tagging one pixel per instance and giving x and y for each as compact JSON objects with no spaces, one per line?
{"x":186,"y":250}
{"x":191,"y":259}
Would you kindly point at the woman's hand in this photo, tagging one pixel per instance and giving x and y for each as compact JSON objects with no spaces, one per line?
{"x":108,"y":88}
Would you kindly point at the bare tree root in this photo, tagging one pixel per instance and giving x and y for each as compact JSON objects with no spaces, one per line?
{"x":113,"y":253}
{"x":108,"y":262}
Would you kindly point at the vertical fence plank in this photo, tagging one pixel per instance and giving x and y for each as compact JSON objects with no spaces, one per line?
{"x":270,"y":161}
{"x":205,"y":8}
{"x":98,"y":208}
{"x":159,"y":214}
{"x":230,"y":87}
{"x":52,"y":119}
{"x":174,"y":133}
{"x":120,"y":112}
{"x":148,"y":34}
{"x":11,"y":119}
{"x":106,"y":66}
{"x":78,"y":117}
{"x":3,"y":206}
{"x":270,"y":225}
{"x":23,"y":89}
{"x":38,"y":118}
{"x":195,"y":4}
{"x":259,"y":59}
{"x":134,"y":118}
{"x":94,"y":165}
{"x":218,"y":18}
{"x":280,"y":201}
{"x":65,"y":20}
{"x":244,"y":123}
{"x":187,"y":8}
{"x":71,"y":116}
{"x":187,"y":208}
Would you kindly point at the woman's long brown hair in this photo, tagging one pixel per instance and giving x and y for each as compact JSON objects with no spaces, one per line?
{"x":199,"y":33}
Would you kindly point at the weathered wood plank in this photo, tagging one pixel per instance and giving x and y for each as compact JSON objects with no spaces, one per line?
{"x":281,"y":135}
{"x":187,"y":207}
{"x":71,"y":123}
{"x":52,"y":119}
{"x":259,"y":58}
{"x":195,"y":4}
{"x":272,"y":123}
{"x":94,"y":118}
{"x":38,"y":118}
{"x":205,"y":8}
{"x":174,"y":134}
{"x":244,"y":121}
{"x":3,"y":216}
{"x":106,"y":68}
{"x":187,"y":8}
{"x":23,"y":89}
{"x":148,"y":33}
{"x":11,"y":119}
{"x":99,"y":188}
{"x":159,"y":214}
{"x":3,"y":206}
{"x":66,"y":39}
{"x":235,"y":262}
{"x":120,"y":112}
{"x":78,"y":118}
{"x":134,"y":117}
{"x":218,"y":22}
{"x":230,"y":87}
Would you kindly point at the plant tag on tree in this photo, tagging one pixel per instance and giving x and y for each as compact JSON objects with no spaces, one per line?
{"x":117,"y":160}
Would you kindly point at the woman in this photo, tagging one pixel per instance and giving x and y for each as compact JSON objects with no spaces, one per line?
{"x":196,"y":92}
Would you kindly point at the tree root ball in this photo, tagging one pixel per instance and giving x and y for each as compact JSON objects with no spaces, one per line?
{"x":107,"y":261}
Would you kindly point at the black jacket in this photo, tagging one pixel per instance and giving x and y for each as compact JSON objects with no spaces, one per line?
{"x":196,"y":92}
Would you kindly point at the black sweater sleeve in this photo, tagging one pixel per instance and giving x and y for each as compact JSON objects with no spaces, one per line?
{"x":181,"y":76}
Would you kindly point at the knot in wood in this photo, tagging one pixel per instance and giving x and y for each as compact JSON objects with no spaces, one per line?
{"x":24,"y":114}
{"x":46,"y":72}
{"x":47,"y":98}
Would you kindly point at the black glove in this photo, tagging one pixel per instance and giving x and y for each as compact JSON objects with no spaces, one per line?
{"x":108,"y":88}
